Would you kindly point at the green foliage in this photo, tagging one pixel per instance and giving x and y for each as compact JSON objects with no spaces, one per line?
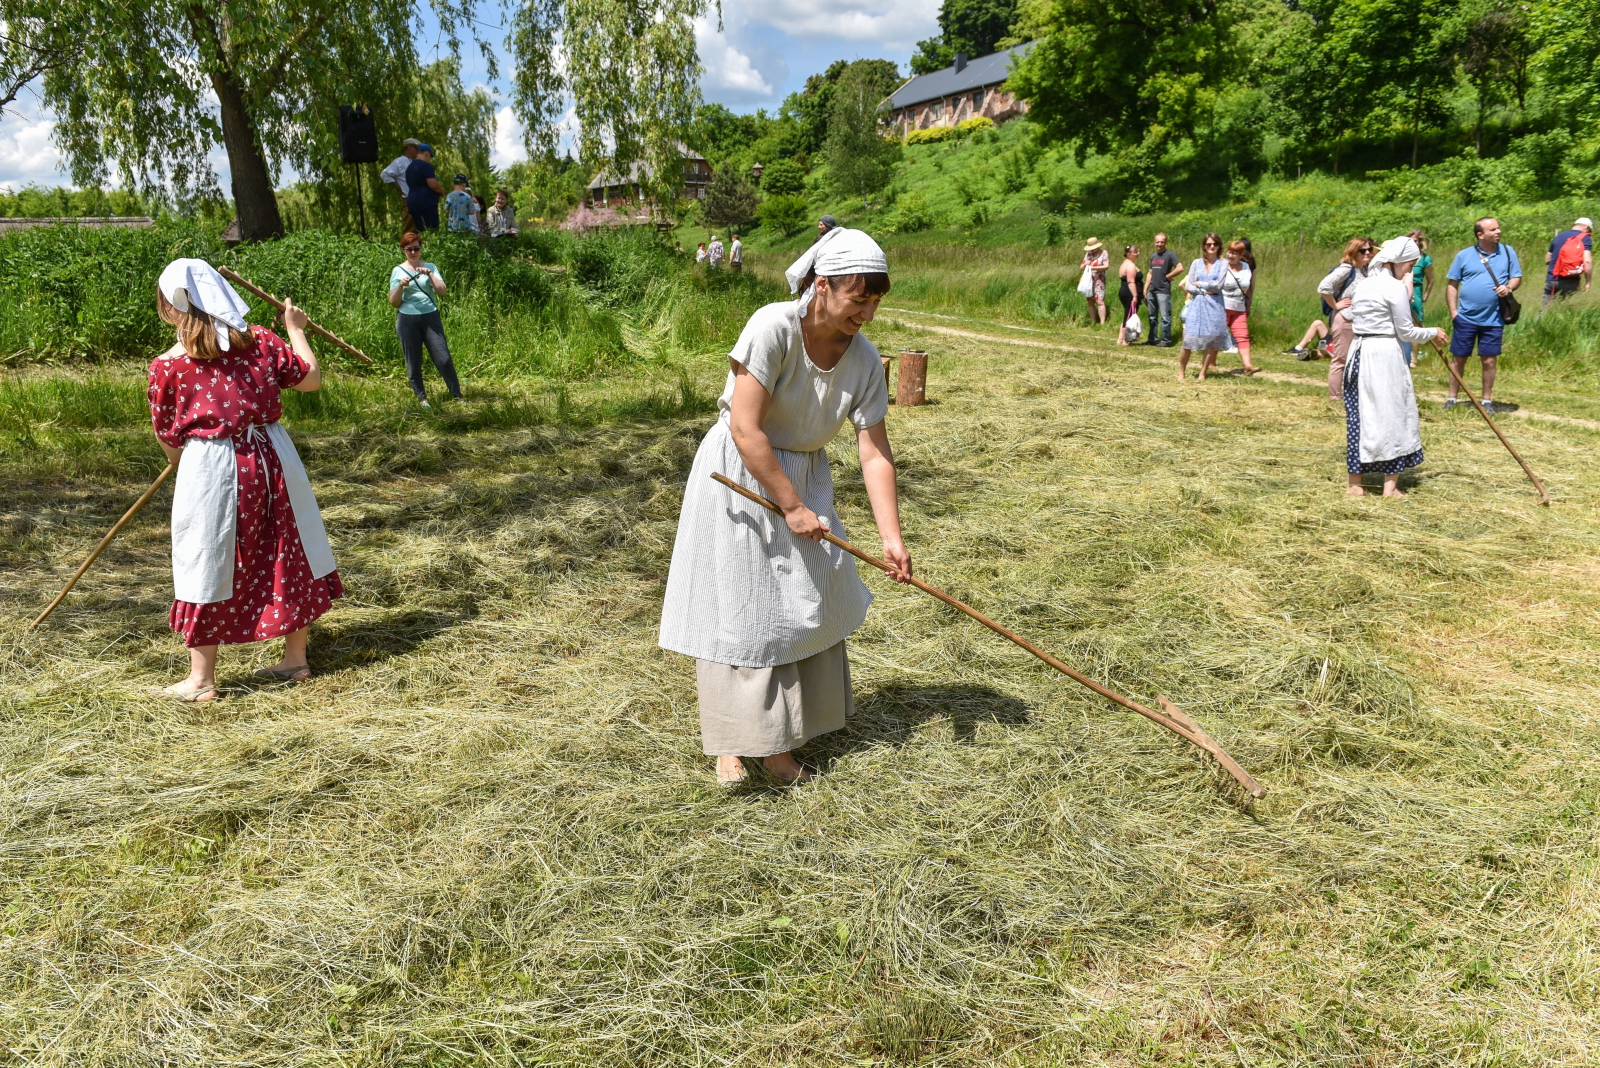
{"x":785,"y":214}
{"x":730,"y":200}
{"x":860,"y":158}
{"x":912,"y":213}
{"x":971,"y":27}
{"x":53,"y":202}
{"x":783,"y":177}
{"x":932,"y":135}
{"x":975,"y":124}
{"x":546,"y":187}
{"x":88,"y":295}
{"x":813,"y":107}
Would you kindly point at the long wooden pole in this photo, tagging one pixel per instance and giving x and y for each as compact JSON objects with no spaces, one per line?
{"x":262,"y":294}
{"x":1171,"y":717}
{"x":1544,"y":494}
{"x":143,"y":500}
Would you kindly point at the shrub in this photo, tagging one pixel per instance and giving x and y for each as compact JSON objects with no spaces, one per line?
{"x":975,"y":124}
{"x":931,"y":135}
{"x":783,"y":178}
{"x":785,"y":214}
{"x":911,"y":213}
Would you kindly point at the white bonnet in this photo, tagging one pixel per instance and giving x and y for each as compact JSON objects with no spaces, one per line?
{"x":1397,"y":250}
{"x":839,"y":251}
{"x":195,"y":284}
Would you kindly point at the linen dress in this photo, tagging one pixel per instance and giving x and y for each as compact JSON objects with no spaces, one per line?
{"x":763,"y":611}
{"x":1206,"y":326}
{"x":238,"y":396}
{"x":1383,"y":433}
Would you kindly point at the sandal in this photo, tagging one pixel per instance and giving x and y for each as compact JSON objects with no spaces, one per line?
{"x":284,"y":674}
{"x":1248,"y":371}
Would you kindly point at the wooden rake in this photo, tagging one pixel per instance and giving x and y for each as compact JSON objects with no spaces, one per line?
{"x":262,"y":294}
{"x":1170,"y":717}
{"x":1544,"y":494}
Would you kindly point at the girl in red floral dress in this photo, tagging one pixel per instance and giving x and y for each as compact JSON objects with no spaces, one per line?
{"x":250,"y":558}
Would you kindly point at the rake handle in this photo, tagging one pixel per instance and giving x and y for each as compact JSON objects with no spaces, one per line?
{"x":143,"y":500}
{"x":1173,"y":720}
{"x":1544,"y":494}
{"x":262,"y":294}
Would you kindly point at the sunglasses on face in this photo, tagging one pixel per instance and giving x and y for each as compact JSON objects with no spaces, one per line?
{"x":1365,"y":251}
{"x":412,"y":248}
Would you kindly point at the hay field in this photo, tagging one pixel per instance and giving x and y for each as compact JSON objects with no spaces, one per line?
{"x":484,"y":835}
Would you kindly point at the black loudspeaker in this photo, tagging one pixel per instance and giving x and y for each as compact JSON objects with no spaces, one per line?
{"x":358,"y":134}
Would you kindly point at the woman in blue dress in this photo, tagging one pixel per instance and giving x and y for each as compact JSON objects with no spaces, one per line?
{"x":1205,"y":323}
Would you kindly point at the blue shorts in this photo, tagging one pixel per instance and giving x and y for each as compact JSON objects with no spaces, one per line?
{"x":1463,"y":334}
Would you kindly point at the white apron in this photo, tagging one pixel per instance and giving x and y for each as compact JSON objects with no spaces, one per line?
{"x":205,"y":514}
{"x":1385,"y":398}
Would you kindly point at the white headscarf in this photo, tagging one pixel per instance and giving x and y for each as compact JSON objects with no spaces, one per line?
{"x":839,"y":251}
{"x":195,"y":284}
{"x":1397,"y":250}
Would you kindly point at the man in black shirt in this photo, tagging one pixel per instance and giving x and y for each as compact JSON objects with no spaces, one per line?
{"x":423,"y":190}
{"x":1164,"y":268}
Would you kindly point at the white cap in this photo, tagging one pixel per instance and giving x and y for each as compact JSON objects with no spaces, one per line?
{"x":1584,"y":222}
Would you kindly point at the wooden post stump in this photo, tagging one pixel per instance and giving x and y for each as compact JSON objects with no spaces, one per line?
{"x":913,"y":377}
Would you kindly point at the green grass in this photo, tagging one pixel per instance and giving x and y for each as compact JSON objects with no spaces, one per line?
{"x":485,"y":835}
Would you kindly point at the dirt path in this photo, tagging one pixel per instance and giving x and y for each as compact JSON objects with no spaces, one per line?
{"x":1116,"y":352}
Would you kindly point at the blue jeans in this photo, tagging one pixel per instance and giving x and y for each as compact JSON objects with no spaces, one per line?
{"x":1159,"y":304}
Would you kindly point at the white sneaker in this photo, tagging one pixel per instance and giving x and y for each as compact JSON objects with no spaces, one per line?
{"x":425,"y":404}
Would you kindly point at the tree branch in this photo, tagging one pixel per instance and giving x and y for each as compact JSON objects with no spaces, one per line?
{"x":275,"y":72}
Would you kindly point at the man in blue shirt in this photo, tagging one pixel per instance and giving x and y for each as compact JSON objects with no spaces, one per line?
{"x":423,"y":189}
{"x":1479,"y":276}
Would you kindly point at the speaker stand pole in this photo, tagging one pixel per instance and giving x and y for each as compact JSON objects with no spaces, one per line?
{"x":361,"y":201}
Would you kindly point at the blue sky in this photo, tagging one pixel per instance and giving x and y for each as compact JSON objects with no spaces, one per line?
{"x":765,"y":51}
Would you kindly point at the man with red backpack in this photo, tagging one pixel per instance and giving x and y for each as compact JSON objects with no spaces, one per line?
{"x":1571,"y":255}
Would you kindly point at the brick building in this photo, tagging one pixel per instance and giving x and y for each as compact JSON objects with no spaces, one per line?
{"x":966,"y":90}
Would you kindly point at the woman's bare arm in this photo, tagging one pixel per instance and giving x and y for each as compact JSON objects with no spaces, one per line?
{"x":877,"y":471}
{"x":295,"y":320}
{"x":748,"y":411}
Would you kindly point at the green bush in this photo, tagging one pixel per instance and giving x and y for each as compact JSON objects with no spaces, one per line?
{"x":911,"y":213}
{"x":786,"y":214}
{"x":783,"y":178}
{"x":931,"y":135}
{"x":974,"y":125}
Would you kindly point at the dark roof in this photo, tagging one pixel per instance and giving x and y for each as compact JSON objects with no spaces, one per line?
{"x":986,"y":70}
{"x":607,"y":178}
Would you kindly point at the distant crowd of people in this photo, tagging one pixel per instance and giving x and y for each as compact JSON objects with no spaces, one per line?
{"x":1373,"y":306}
{"x":417,"y":184}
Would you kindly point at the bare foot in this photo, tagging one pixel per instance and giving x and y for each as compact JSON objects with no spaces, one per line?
{"x":1355,"y":491}
{"x":785,"y":768}
{"x":190,"y":690}
{"x":731,"y":771}
{"x":1393,"y":493}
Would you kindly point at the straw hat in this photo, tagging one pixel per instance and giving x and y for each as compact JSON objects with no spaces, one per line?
{"x":1093,"y":245}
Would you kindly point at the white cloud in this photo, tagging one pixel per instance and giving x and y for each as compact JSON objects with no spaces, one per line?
{"x":26,"y":154}
{"x":730,"y":73}
{"x":508,"y":147}
{"x":888,"y":24}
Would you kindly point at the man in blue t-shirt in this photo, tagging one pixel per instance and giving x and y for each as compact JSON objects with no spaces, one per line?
{"x":1479,"y":276}
{"x":1570,"y":258}
{"x":423,"y":189}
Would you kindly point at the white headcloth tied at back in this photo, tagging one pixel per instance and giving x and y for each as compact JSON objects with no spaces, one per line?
{"x":1397,"y":250}
{"x":839,"y":251}
{"x":195,"y":285}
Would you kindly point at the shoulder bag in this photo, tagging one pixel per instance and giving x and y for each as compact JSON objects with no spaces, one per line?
{"x":1510,"y":310}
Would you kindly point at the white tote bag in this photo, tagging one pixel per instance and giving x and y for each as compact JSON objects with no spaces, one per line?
{"x":1086,"y":283}
{"x":1133,"y":326}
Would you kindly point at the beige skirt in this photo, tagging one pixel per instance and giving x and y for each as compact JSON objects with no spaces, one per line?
{"x":758,"y":712}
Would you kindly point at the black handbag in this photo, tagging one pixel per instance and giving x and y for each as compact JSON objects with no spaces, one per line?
{"x":1510,"y":310}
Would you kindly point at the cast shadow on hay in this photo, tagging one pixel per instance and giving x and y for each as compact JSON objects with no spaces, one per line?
{"x":892,"y":714}
{"x":350,"y":640}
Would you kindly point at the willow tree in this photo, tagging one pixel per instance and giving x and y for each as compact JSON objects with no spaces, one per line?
{"x":151,"y":88}
{"x":629,"y":69}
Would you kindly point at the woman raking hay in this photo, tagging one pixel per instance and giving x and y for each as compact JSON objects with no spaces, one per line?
{"x":760,"y":601}
{"x":250,"y":558}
